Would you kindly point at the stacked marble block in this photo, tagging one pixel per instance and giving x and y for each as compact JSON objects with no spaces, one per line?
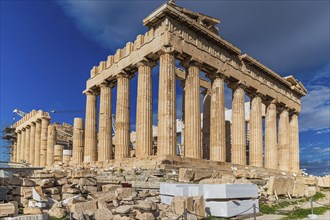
{"x":221,"y":200}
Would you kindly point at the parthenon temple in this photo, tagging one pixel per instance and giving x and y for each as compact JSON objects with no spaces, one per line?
{"x":183,"y":45}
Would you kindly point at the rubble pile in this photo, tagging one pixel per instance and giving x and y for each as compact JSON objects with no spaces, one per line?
{"x":132,"y":193}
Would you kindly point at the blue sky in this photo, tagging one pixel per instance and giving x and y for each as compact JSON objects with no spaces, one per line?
{"x":48,"y":48}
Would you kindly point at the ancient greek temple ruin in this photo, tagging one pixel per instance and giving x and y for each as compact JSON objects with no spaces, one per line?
{"x":180,"y":37}
{"x":38,"y":142}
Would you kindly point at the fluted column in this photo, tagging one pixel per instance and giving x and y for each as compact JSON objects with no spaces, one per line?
{"x":90,"y":126}
{"x":218,"y":129}
{"x":37,"y":144}
{"x":122,"y":148}
{"x":167,"y":106}
{"x":19,"y":137}
{"x":32,"y":142}
{"x":255,"y":152}
{"x":206,"y":125}
{"x":271,"y":159}
{"x":144,"y":111}
{"x":78,"y":141}
{"x":51,"y":141}
{"x":294,"y":143}
{"x":283,"y":141}
{"x":105,"y":132}
{"x":193,"y":113}
{"x":43,"y":141}
{"x":238,"y":149}
{"x":22,"y":145}
{"x":27,"y":144}
{"x":13,"y":151}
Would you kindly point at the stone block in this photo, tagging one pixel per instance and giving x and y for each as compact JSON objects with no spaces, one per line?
{"x":229,"y":209}
{"x":125,"y":193}
{"x":323,"y":181}
{"x":46,"y":183}
{"x":229,"y":191}
{"x":52,"y":190}
{"x":37,"y":204}
{"x":103,"y":214}
{"x":279,"y":185}
{"x":7,"y":209}
{"x":110,"y":187}
{"x":186,"y":175}
{"x":182,"y":203}
{"x":24,"y":191}
{"x":125,"y":209}
{"x":310,"y":191}
{"x":88,"y":208}
{"x":87,"y":181}
{"x":83,"y":173}
{"x":144,"y":216}
{"x":299,"y":189}
{"x":88,"y":189}
{"x":17,"y":181}
{"x":61,"y":181}
{"x":31,"y":211}
{"x":175,"y":189}
{"x":199,"y":205}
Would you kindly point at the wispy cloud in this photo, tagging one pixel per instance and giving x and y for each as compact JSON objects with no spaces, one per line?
{"x":315,"y":114}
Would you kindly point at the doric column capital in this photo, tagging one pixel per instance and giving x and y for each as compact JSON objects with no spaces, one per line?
{"x":237,"y":84}
{"x":123,"y":74}
{"x":166,"y":49}
{"x":192,"y":61}
{"x":216,"y":75}
{"x":146,"y":62}
{"x":91,"y":92}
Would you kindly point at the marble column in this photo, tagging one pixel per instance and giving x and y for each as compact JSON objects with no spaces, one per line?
{"x":51,"y":141}
{"x":218,"y":129}
{"x":294,"y":143}
{"x":206,"y":125}
{"x":78,"y":141}
{"x":192,"y":113}
{"x":238,"y":134}
{"x":144,"y":111}
{"x":283,"y":141}
{"x":105,"y":123}
{"x":22,"y":144}
{"x":32,"y":142}
{"x":90,"y":127}
{"x":167,"y":140}
{"x":27,"y":144}
{"x":228,"y":141}
{"x":271,"y":159}
{"x":43,"y":141}
{"x":13,"y":151}
{"x":122,"y":148}
{"x":58,"y":153}
{"x":37,"y":144}
{"x":19,"y":137}
{"x":255,"y":152}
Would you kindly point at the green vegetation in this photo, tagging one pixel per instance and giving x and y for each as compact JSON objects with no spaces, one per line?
{"x":64,"y":218}
{"x":298,"y":213}
{"x":303,"y":213}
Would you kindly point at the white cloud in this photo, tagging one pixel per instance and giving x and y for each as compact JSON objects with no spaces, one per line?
{"x":315,"y":114}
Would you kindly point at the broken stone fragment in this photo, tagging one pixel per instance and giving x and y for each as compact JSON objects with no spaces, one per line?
{"x":125,"y":193}
{"x":125,"y":209}
{"x":103,"y":214}
{"x":88,"y":207}
{"x":144,"y":216}
{"x":31,"y":211}
{"x":17,"y":181}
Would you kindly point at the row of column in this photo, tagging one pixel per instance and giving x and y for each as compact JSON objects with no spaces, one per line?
{"x":35,"y":143}
{"x":281,"y":151}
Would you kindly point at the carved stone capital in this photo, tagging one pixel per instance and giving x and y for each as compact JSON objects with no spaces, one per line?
{"x":192,"y":62}
{"x":146,"y":62}
{"x":166,"y":49}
